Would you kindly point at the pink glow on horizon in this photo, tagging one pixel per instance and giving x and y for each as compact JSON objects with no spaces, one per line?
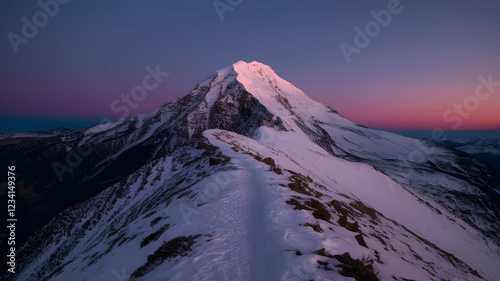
{"x":377,"y":102}
{"x":421,"y":106}
{"x":422,"y":115}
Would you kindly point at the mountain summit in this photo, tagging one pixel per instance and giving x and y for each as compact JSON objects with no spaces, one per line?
{"x":247,"y":178}
{"x":248,"y":95}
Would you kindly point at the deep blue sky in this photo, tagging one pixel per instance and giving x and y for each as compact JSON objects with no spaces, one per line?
{"x":91,"y":52}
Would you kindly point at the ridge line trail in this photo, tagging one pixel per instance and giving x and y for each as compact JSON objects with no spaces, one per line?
{"x":253,"y":245}
{"x":260,"y":225}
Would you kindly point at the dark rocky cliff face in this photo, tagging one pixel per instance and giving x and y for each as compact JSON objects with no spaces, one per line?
{"x":60,"y":168}
{"x":71,"y":166}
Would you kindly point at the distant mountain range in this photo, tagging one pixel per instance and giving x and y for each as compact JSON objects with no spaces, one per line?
{"x":247,"y":178}
{"x":487,"y":150}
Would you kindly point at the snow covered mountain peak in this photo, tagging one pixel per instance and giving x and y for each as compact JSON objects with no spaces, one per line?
{"x":254,"y":94}
{"x":261,"y":81}
{"x":247,"y":178}
{"x":270,"y":83}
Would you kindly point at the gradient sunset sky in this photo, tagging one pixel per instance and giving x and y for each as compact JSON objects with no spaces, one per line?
{"x":426,"y":60}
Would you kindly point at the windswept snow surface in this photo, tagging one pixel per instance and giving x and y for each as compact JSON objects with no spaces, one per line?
{"x":248,"y":243}
{"x":487,"y":150}
{"x":266,"y":184}
{"x":364,"y":183}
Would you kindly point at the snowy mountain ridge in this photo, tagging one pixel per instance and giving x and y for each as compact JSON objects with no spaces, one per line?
{"x":247,"y":178}
{"x":485,"y":149}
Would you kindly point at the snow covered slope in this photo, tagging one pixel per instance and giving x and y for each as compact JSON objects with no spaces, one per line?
{"x":484,"y":149}
{"x":247,"y":178}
